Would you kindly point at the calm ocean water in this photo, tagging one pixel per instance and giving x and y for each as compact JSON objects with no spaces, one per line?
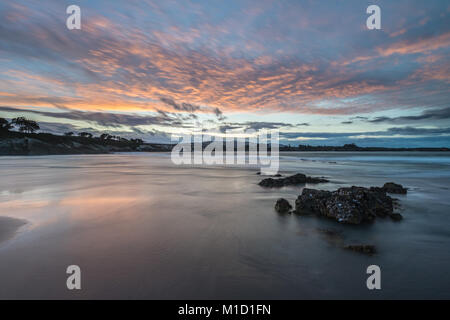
{"x":141,"y":227}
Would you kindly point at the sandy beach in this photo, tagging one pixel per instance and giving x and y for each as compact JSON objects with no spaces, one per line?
{"x":9,"y":227}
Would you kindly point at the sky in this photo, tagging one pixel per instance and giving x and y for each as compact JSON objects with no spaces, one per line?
{"x":311,"y":69}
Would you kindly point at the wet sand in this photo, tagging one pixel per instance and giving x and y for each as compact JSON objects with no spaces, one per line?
{"x":9,"y":227}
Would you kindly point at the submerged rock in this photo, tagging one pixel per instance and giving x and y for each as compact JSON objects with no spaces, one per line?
{"x":352,"y":205}
{"x":296,"y":179}
{"x":333,"y":237}
{"x":275,"y":175}
{"x":283,"y":206}
{"x":362,"y":248}
{"x":396,"y":216}
{"x":392,"y":187}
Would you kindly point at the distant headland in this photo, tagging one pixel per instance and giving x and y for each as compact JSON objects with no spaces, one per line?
{"x":354,"y":147}
{"x":26,"y":141}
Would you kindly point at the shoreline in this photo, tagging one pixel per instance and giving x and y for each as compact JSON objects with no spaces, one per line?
{"x":14,"y":143}
{"x":9,"y":227}
{"x":162,"y":150}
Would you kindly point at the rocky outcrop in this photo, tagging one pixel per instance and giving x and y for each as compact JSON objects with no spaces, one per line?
{"x":283,"y":206}
{"x":352,"y":205}
{"x":275,"y":175}
{"x":296,"y":179}
{"x":396,"y":216}
{"x":391,"y":187}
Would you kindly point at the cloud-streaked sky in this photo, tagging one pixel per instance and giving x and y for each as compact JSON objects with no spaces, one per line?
{"x":310,"y":68}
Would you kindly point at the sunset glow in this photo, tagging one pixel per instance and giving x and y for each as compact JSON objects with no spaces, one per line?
{"x":312,"y":70}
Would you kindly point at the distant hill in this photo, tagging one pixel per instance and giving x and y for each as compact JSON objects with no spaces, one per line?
{"x":353,"y":147}
{"x":19,"y":143}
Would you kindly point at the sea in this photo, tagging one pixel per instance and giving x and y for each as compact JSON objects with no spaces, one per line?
{"x":140,"y":227}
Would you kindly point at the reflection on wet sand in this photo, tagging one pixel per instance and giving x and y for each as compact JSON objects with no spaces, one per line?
{"x":9,"y":227}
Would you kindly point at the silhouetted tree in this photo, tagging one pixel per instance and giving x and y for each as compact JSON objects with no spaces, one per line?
{"x":5,"y":125}
{"x":111,"y":137}
{"x":350,"y":146}
{"x":105,"y":136}
{"x":69,"y":134}
{"x":85,"y":134}
{"x":137,"y":141}
{"x":25,"y":125}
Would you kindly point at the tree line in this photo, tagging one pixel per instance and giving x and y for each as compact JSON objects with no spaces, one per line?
{"x":24,"y":125}
{"x":30,"y":126}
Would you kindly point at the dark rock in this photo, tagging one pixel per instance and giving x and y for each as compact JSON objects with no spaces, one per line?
{"x":311,"y":201}
{"x":396,"y":216}
{"x":296,"y":179}
{"x":333,"y":237}
{"x":258,"y":173}
{"x":391,"y":187}
{"x":283,"y":206}
{"x":352,"y":205}
{"x":278,"y":175}
{"x":362,"y":248}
